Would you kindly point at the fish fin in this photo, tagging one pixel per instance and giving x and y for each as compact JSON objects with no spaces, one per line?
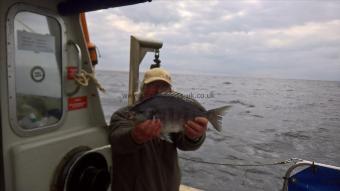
{"x":166,"y":137}
{"x":215,"y":116}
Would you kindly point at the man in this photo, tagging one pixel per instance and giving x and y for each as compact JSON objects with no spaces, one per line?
{"x":141,"y":161}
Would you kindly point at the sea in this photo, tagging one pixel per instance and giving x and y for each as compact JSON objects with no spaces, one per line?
{"x":270,"y":120}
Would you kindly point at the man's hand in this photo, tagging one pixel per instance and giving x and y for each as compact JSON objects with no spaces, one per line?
{"x":146,"y":131}
{"x":195,"y":129}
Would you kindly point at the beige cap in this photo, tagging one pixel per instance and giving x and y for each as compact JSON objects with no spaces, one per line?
{"x":157,"y":74}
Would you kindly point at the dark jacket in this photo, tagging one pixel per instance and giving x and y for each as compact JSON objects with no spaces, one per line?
{"x":152,"y":166}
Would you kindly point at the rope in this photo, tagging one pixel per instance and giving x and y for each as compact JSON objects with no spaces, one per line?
{"x":83,"y":78}
{"x":291,"y":160}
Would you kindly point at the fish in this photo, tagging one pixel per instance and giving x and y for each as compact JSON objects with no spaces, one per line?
{"x":174,"y":110}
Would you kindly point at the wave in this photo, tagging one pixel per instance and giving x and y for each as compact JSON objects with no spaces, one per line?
{"x":241,"y":103}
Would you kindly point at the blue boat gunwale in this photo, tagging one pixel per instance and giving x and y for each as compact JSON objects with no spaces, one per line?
{"x":301,"y":163}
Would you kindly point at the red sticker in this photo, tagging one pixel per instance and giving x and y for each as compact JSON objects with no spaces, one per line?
{"x":71,"y":71}
{"x":75,"y":103}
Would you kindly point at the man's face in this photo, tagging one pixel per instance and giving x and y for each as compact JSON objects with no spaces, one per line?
{"x":154,"y":88}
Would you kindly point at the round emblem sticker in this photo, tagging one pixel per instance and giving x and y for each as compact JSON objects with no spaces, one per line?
{"x":37,"y":74}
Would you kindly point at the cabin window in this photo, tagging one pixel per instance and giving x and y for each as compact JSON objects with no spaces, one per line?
{"x":37,"y":71}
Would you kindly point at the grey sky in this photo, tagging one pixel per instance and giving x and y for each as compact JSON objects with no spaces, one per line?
{"x":278,"y":39}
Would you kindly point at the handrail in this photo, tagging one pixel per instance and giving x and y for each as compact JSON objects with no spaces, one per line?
{"x":71,"y":42}
{"x":79,"y":54}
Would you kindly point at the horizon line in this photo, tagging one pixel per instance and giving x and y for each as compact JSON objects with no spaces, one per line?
{"x":224,"y":75}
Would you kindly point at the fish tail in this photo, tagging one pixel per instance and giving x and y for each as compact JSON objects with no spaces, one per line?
{"x":215,"y":116}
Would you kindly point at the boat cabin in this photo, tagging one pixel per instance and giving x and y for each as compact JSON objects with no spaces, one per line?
{"x":52,"y":130}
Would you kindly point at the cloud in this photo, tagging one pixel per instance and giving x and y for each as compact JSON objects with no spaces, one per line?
{"x":240,"y":38}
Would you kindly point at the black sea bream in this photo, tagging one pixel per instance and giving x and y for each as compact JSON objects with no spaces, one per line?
{"x":174,"y":110}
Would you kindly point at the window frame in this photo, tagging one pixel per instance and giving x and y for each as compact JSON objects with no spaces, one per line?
{"x":11,"y":73}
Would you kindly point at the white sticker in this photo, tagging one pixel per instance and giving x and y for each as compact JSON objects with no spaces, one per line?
{"x":35,"y":42}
